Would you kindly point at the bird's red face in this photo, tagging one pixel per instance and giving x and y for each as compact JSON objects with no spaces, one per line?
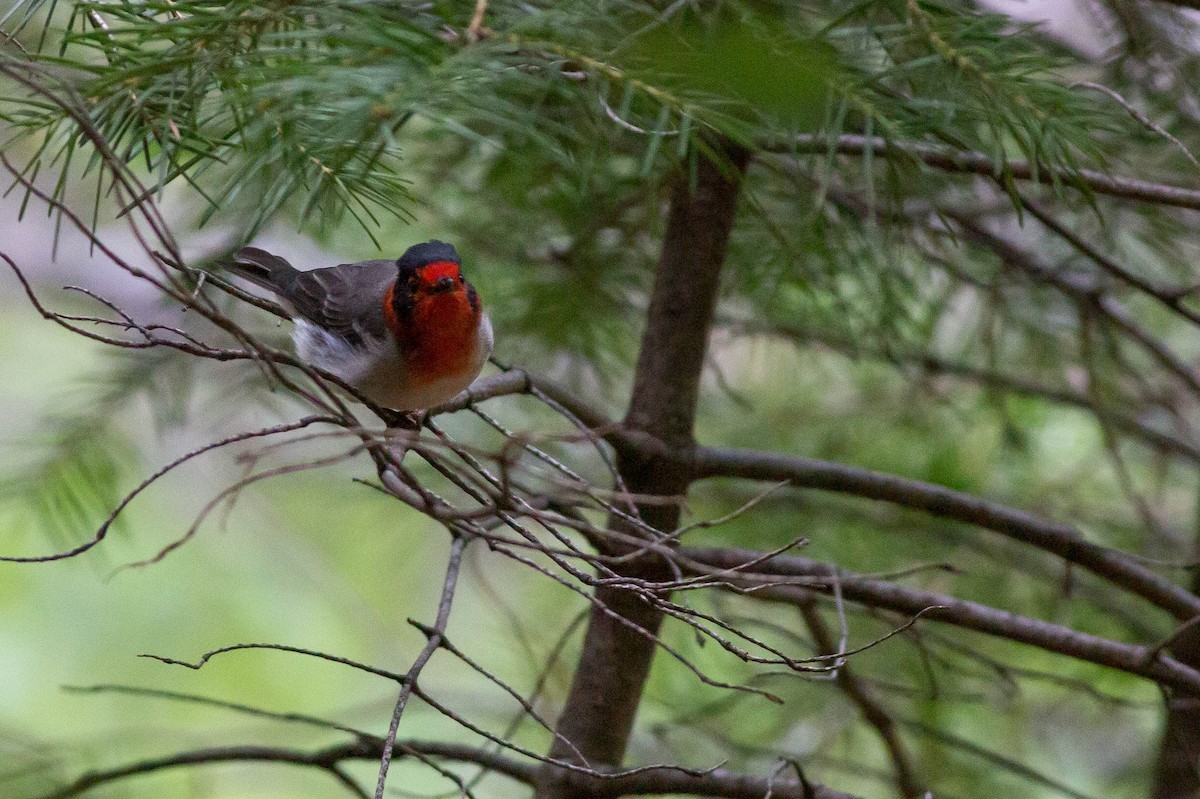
{"x":441,"y":296}
{"x":432,"y":290}
{"x":439,"y":277}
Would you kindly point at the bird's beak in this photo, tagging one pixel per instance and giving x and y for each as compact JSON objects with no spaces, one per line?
{"x":442,"y":285}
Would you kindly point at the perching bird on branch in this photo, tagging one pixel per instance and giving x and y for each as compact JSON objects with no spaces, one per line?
{"x":409,"y":334}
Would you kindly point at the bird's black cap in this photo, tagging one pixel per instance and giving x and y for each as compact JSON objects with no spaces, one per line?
{"x":428,"y":252}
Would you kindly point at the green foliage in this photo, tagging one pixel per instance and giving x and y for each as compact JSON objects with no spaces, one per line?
{"x":267,"y":105}
{"x":81,"y":457}
{"x":75,"y":480}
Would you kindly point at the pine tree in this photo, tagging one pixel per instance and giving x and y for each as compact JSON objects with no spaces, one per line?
{"x":962,"y":241}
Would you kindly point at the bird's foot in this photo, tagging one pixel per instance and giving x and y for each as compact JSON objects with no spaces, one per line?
{"x":402,"y":420}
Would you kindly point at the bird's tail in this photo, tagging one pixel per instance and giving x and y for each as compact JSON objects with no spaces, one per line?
{"x":263,"y":269}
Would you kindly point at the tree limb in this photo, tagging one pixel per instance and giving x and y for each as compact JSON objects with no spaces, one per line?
{"x":764,"y":581}
{"x":1060,"y":539}
{"x":646,"y":782}
{"x":975,"y":162}
{"x":325,"y":759}
{"x":932,"y":363}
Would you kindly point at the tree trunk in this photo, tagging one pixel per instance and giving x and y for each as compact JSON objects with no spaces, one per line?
{"x":617,"y":652}
{"x":1178,"y":773}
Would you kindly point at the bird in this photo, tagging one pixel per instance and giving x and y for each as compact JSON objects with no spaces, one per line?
{"x":408,"y":334}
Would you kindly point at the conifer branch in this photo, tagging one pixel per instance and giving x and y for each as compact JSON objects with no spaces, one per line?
{"x":973,"y":162}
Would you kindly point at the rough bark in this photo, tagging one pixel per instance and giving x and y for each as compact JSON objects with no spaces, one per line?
{"x":1177,"y":775}
{"x":619,"y":645}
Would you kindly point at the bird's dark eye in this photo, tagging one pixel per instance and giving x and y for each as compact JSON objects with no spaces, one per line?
{"x":462,"y":279}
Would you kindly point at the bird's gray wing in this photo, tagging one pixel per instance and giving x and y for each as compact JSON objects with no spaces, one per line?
{"x":346,"y":299}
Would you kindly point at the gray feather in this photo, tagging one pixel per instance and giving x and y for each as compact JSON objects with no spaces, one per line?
{"x":263,"y":269}
{"x":346,"y":300}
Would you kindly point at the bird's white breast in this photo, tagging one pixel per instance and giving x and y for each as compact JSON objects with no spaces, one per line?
{"x":377,"y":367}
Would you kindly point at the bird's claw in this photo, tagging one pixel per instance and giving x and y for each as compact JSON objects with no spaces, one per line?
{"x":403,"y":420}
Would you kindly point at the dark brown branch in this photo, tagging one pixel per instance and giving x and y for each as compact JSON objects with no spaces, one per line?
{"x":1176,"y":773}
{"x":102,"y":531}
{"x":325,"y":759}
{"x":1014,"y":384}
{"x":341,"y":661}
{"x":1081,"y":291}
{"x":230,"y":494}
{"x":1060,"y":539}
{"x":719,"y":782}
{"x":197,"y":699}
{"x":615,"y":661}
{"x":939,"y":607}
{"x":980,"y":163}
{"x":511,"y":381}
{"x":1170,"y":297}
{"x":527,"y":708}
{"x":644,"y":782}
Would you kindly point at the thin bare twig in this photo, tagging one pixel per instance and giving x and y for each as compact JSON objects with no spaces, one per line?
{"x":102,"y":531}
{"x":457,"y":544}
